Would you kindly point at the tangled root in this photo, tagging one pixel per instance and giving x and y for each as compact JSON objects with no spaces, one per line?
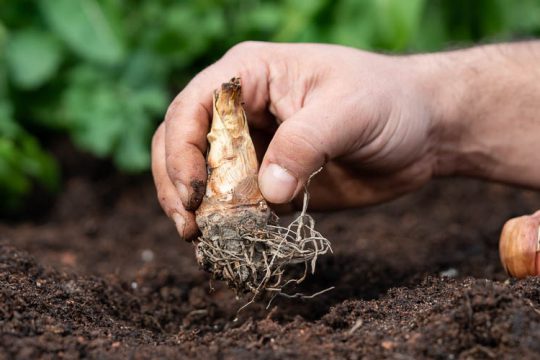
{"x":253,"y":257}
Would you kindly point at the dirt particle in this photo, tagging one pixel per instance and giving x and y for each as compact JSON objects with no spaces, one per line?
{"x":68,"y":258}
{"x":388,"y":345}
{"x":199,"y":188}
{"x":147,"y":255}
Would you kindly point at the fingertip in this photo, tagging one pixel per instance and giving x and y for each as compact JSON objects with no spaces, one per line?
{"x":180,"y":223}
{"x":185,"y":225}
{"x":277,"y":184}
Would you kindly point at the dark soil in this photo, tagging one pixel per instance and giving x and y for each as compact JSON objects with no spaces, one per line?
{"x":103,"y":275}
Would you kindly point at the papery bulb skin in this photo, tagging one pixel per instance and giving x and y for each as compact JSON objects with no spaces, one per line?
{"x":519,"y":246}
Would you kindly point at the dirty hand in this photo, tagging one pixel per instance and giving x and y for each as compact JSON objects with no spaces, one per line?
{"x":365,"y":117}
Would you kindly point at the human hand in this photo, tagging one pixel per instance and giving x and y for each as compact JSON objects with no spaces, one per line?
{"x":366,"y":117}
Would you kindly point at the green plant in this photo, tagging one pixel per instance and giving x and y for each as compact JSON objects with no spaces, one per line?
{"x":103,"y":71}
{"x":22,"y":161}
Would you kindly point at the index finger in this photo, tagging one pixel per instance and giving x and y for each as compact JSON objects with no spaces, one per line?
{"x":188,"y":117}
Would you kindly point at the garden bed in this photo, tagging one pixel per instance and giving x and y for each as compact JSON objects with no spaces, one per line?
{"x":103,"y":274}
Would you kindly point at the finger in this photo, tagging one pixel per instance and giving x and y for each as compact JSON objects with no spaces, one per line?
{"x":167,"y":194}
{"x":301,"y":145}
{"x":188,"y":117}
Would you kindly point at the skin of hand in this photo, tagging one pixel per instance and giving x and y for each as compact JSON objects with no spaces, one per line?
{"x":380,"y":125}
{"x":364,"y":116}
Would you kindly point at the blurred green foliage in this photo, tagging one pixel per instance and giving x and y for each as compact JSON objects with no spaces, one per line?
{"x":103,"y":71}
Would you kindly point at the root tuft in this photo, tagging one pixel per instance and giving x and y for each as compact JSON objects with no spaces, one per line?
{"x":255,"y":259}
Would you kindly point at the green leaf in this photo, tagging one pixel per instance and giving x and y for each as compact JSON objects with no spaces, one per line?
{"x":132,"y":152}
{"x":23,"y":162}
{"x":114,"y":118}
{"x":32,"y":57}
{"x":144,"y":68}
{"x":8,"y":128}
{"x":298,"y":15}
{"x":93,"y":111}
{"x":85,"y":28}
{"x":37,"y":164}
{"x":434,"y":32}
{"x":353,"y":24}
{"x":524,"y":18}
{"x":176,"y":38}
{"x":12,"y":180}
{"x":3,"y":36}
{"x":397,"y":21}
{"x":265,"y":16}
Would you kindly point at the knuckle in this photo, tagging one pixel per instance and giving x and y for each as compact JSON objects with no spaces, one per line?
{"x":173,"y":108}
{"x":157,"y":138}
{"x":172,"y":165}
{"x":244,"y":47}
{"x":163,"y":201}
{"x":299,"y":137}
{"x":302,"y":146}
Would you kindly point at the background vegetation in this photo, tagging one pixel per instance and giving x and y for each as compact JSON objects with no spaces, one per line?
{"x":103,"y":71}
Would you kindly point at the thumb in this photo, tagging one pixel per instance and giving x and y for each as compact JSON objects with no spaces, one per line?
{"x":299,"y":147}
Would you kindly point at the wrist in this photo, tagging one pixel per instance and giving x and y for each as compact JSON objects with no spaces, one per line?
{"x":484,"y":106}
{"x":449,"y":81}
